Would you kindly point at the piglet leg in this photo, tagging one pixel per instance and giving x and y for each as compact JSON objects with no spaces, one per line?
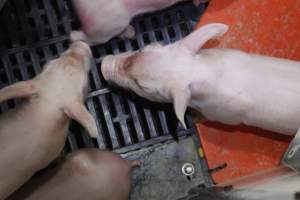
{"x":18,"y":90}
{"x":78,"y":112}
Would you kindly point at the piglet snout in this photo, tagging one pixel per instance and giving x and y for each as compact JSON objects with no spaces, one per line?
{"x":108,"y":67}
{"x":81,"y":48}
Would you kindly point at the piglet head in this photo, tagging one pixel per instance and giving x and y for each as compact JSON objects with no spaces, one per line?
{"x":75,"y":61}
{"x":139,"y":71}
{"x":161,"y":73}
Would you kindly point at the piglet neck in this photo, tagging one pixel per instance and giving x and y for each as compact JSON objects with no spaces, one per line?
{"x":137,"y":7}
{"x":203,"y":81}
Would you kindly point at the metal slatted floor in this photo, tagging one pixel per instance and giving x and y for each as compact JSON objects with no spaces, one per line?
{"x":36,"y":31}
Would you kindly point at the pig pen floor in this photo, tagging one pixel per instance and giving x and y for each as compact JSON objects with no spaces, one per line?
{"x":160,"y":175}
{"x":34,"y":32}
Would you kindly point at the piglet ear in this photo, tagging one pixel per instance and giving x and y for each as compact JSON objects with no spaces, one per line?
{"x":79,"y":113}
{"x":181,"y":99}
{"x":199,"y":37}
{"x":21,"y":89}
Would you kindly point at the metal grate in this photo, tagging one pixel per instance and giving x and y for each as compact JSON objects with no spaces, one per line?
{"x":36,"y":31}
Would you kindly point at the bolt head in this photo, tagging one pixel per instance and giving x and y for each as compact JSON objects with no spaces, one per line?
{"x":188,"y":169}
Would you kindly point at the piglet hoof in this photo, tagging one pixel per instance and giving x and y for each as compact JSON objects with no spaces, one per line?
{"x":135,"y":163}
{"x":128,"y":33}
{"x":78,"y":36}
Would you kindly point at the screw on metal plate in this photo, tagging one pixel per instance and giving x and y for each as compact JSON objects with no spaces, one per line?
{"x":188,"y":170}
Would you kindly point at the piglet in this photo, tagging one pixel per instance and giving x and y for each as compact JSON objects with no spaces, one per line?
{"x":225,"y":85}
{"x":34,"y":133}
{"x":101,"y":20}
{"x":86,"y":174}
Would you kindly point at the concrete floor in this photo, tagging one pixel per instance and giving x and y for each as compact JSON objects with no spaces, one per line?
{"x":160,"y":175}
